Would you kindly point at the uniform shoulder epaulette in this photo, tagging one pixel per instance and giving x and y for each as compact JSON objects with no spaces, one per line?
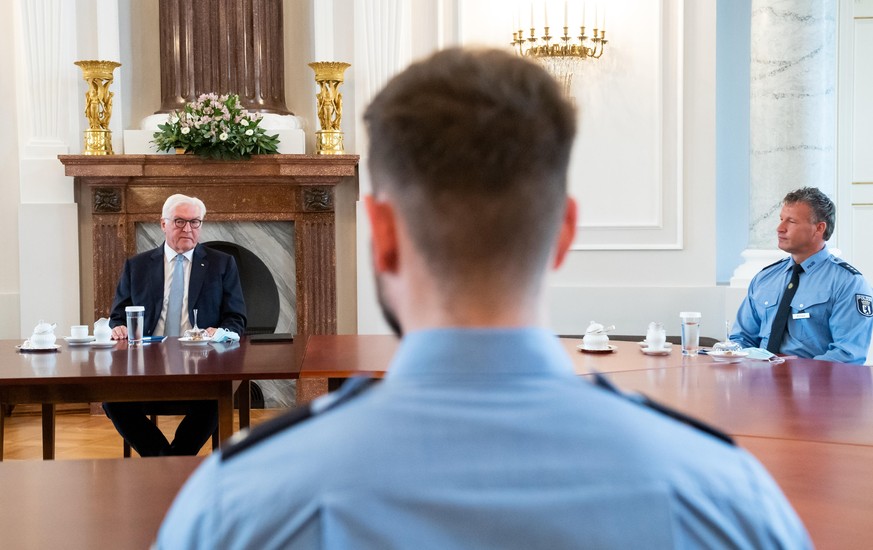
{"x":603,"y":382}
{"x":248,"y":438}
{"x":847,"y":266}
{"x":774,"y":264}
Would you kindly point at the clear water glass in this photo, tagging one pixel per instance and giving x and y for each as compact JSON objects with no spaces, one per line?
{"x":690,"y":332}
{"x":135,"y":319}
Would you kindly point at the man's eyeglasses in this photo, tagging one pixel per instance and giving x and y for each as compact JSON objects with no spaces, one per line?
{"x":180,"y":223}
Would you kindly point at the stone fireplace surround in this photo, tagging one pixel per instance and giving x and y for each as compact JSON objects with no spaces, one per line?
{"x":114,"y":193}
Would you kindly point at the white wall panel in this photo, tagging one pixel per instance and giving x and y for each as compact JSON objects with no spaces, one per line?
{"x":626,"y":167}
{"x":632,"y":308}
{"x":863,"y":101}
{"x":862,"y":224}
{"x":9,"y":280}
{"x":50,"y":274}
{"x":860,"y":119}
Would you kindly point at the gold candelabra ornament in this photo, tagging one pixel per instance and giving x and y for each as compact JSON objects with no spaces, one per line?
{"x":328,"y":76}
{"x":98,"y":105}
{"x":562,"y":55}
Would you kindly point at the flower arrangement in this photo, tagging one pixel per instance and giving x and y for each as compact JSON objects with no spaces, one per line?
{"x":215,"y":127}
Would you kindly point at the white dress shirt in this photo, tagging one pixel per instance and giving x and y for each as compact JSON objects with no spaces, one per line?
{"x":169,"y":258}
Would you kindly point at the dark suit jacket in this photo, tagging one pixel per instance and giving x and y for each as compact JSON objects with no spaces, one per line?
{"x":213,"y":290}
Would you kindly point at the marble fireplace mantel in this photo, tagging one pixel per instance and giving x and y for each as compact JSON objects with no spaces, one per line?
{"x":116,"y":192}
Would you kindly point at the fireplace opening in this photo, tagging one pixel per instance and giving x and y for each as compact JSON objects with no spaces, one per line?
{"x":258,"y":287}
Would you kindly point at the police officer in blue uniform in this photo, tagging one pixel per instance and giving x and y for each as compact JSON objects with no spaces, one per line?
{"x":810,"y":304}
{"x":481,"y":435}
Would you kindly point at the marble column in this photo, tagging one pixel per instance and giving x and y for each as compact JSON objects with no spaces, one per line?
{"x":223,"y":47}
{"x":793,"y":115}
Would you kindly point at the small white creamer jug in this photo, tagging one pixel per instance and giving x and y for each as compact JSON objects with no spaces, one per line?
{"x":102,"y":332}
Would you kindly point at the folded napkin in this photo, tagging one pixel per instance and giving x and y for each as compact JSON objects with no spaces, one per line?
{"x":224,"y":335}
{"x":763,"y":355}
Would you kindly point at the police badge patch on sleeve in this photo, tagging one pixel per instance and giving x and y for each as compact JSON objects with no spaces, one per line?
{"x":864,"y":304}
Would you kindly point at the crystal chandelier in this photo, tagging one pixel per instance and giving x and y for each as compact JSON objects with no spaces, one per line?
{"x":563,"y":55}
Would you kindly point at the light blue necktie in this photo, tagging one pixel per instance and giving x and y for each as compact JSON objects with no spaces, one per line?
{"x":177,"y":292}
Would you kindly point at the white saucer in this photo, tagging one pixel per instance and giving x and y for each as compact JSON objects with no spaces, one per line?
{"x":110,"y":344}
{"x":78,"y":341}
{"x":644,"y":344}
{"x":608,"y":349}
{"x":728,"y":357}
{"x":28,"y":349}
{"x":663,"y":351}
{"x":187,"y":341}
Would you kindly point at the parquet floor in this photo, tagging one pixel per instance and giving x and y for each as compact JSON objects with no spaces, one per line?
{"x":79,"y":434}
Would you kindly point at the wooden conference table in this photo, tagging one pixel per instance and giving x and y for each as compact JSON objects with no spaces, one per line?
{"x":73,"y":504}
{"x":809,"y":422}
{"x":155,"y":371}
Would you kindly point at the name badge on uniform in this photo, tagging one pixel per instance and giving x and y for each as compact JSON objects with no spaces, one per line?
{"x":800,"y":316}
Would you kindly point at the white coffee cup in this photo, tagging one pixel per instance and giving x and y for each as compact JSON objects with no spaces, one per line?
{"x":79,"y":331}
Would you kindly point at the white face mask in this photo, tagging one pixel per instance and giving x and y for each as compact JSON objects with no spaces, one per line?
{"x":763,"y":355}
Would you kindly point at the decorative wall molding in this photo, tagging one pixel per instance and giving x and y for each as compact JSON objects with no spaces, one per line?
{"x":627,"y":166}
{"x":633,"y":203}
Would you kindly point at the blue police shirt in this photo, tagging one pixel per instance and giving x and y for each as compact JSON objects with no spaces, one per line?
{"x":831,"y":313}
{"x":484,"y":439}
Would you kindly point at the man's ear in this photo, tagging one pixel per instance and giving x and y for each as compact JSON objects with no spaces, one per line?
{"x":383,"y":227}
{"x":566,"y":234}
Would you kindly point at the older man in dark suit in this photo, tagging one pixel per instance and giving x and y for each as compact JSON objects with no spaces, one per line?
{"x":170,"y":282}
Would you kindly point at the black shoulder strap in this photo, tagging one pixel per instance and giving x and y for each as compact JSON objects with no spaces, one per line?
{"x":247,"y":438}
{"x":603,"y":382}
{"x":848,"y":267}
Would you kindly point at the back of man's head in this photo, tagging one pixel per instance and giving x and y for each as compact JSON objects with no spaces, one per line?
{"x":472,"y":146}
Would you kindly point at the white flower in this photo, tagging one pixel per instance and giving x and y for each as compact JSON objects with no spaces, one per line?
{"x":249,"y":132}
{"x":223,"y":136}
{"x":186,"y":131}
{"x":244,"y":122}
